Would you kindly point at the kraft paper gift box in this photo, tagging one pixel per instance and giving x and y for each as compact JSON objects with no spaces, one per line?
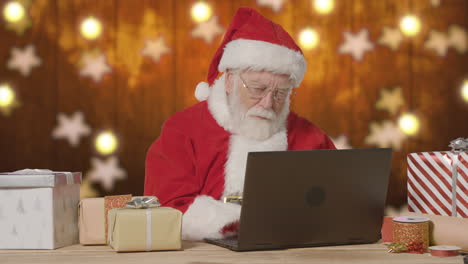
{"x":438,"y":181}
{"x":145,"y":229}
{"x":92,"y":221}
{"x":39,"y":209}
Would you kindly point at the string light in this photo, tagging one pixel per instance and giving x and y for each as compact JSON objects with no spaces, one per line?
{"x":201,"y":12}
{"x":106,"y":143}
{"x":91,"y":28}
{"x":464,"y":90}
{"x":409,"y":124}
{"x":410,"y":25}
{"x":324,"y":6}
{"x":7,"y":96}
{"x":308,"y":38}
{"x":13,"y":12}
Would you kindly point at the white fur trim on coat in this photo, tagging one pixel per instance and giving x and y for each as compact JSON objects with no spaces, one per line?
{"x":206,"y":216}
{"x":262,"y":55}
{"x":236,"y":163}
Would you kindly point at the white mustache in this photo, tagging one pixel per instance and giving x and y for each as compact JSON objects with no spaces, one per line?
{"x":262,"y":112}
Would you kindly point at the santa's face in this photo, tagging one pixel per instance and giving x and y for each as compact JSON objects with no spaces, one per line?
{"x":259,"y":102}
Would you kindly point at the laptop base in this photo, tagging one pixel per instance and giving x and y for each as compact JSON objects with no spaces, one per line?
{"x":229,"y":243}
{"x":233,"y":244}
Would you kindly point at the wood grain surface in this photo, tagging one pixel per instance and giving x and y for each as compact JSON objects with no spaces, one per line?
{"x":197,"y":253}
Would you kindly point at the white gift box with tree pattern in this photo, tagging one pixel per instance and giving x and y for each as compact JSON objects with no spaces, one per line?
{"x":39,"y":209}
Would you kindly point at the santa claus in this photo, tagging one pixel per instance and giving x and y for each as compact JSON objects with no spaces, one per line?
{"x":201,"y":154}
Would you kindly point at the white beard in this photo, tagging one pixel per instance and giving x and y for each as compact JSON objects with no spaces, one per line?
{"x":251,"y":127}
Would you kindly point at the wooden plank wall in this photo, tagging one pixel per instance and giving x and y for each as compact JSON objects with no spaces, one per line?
{"x":338,"y":93}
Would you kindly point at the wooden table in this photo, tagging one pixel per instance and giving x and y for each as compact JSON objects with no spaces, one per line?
{"x":197,"y":253}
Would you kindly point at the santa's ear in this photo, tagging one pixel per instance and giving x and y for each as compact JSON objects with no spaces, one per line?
{"x":228,"y":82}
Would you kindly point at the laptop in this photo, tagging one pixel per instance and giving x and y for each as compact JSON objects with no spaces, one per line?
{"x":311,"y":198}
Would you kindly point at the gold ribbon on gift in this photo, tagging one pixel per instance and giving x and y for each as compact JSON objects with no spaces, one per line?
{"x":458,"y":146}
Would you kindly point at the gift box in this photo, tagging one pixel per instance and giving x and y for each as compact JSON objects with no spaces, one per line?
{"x":438,"y":181}
{"x":39,"y":209}
{"x":145,"y":229}
{"x":92,"y":219}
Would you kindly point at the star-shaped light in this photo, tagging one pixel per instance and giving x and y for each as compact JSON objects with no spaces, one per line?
{"x":385,"y":135}
{"x":94,"y":66}
{"x":155,"y":48}
{"x":458,"y":38}
{"x":391,"y":37}
{"x":437,"y":42}
{"x":356,"y":44}
{"x":341,"y":142}
{"x":435,"y":3}
{"x":275,"y":5}
{"x":24,"y":60}
{"x":72,"y":128}
{"x":106,"y":172}
{"x":390,"y":100}
{"x":207,"y":30}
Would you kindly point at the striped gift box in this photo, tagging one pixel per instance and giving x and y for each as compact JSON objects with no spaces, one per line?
{"x":437,"y":183}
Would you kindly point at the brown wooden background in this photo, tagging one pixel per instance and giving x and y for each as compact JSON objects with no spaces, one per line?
{"x":338,"y":93}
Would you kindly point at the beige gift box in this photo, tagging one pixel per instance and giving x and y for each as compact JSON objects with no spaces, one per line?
{"x":92,"y":217}
{"x":145,"y":229}
{"x":91,"y":221}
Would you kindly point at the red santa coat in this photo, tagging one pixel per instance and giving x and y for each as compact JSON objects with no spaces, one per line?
{"x":196,"y":161}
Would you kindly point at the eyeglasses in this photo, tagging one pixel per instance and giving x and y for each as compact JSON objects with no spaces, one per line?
{"x":279,"y":94}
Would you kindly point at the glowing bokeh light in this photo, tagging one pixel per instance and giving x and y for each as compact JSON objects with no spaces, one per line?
{"x":409,"y":124}
{"x":464,"y":91}
{"x":7,"y":95}
{"x":201,"y":12}
{"x":91,"y":28}
{"x":106,"y":143}
{"x":410,"y":25}
{"x":308,"y":38}
{"x":324,"y":6}
{"x":13,"y":12}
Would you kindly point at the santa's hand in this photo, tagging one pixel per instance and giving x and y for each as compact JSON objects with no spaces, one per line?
{"x":231,"y":229}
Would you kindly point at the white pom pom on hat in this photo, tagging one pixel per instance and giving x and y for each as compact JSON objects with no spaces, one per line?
{"x":202,"y":91}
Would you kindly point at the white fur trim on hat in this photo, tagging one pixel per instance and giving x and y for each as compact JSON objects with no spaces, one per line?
{"x":206,"y":216}
{"x":202,"y":91}
{"x":262,"y":55}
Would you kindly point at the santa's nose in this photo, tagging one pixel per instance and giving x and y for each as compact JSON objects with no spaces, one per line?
{"x":267,"y":101}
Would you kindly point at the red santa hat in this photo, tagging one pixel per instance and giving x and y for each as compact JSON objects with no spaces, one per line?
{"x":256,"y":43}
